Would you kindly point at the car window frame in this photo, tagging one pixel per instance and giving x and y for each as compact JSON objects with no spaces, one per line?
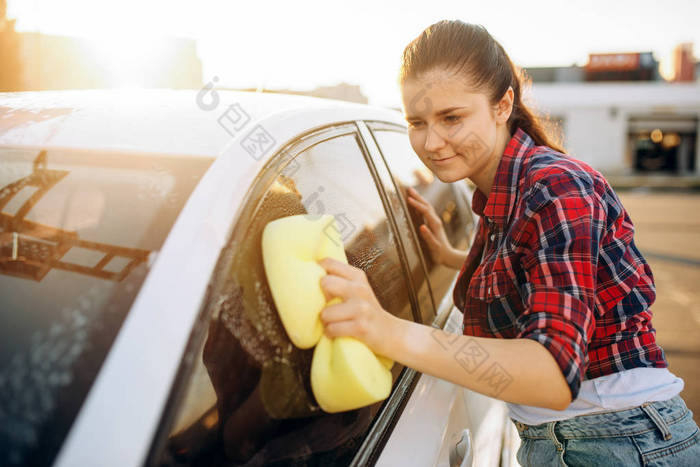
{"x":444,"y":304}
{"x":369,"y":127}
{"x":390,"y":411}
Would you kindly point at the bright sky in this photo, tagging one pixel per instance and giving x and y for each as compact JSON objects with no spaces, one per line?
{"x":303,"y":44}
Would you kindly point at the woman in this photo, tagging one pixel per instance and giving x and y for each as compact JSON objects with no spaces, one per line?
{"x":554,"y":292}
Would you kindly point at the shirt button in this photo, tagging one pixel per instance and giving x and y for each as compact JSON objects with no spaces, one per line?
{"x":488,"y":291}
{"x":492,"y":237}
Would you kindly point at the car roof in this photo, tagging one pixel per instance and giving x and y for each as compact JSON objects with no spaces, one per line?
{"x":160,"y":121}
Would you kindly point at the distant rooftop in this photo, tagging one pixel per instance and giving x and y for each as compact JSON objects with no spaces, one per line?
{"x":627,"y":66}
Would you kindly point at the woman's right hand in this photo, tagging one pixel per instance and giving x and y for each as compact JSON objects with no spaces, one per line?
{"x":433,"y":231}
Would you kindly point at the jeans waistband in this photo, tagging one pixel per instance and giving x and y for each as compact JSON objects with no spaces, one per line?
{"x":626,"y":422}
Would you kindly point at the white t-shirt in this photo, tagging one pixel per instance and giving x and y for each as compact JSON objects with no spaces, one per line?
{"x":617,"y":391}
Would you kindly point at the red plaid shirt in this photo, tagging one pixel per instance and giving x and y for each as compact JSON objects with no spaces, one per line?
{"x":559,"y":266}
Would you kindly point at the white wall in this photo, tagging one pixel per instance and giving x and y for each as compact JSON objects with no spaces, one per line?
{"x":596,"y":114}
{"x":595,"y":137}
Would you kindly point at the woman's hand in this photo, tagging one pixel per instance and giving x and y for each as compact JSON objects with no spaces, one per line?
{"x":433,"y":232}
{"x":359,"y":315}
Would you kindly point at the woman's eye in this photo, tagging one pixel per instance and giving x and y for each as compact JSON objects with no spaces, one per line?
{"x":452,"y":118}
{"x":414,"y":124}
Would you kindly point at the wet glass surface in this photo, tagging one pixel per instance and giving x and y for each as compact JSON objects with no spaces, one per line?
{"x":78,"y":232}
{"x":259,"y":408}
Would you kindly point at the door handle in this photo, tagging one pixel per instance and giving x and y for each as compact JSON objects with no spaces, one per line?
{"x":461,"y":454}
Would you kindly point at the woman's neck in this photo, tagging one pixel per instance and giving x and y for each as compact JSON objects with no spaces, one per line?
{"x":484,"y":178}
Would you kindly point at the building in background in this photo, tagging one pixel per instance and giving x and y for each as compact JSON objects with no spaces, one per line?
{"x":51,"y":62}
{"x":626,"y":128}
{"x":342,"y":91}
{"x":10,"y":66}
{"x":684,"y":65}
{"x":634,"y":66}
{"x":637,"y":66}
{"x":619,"y":115}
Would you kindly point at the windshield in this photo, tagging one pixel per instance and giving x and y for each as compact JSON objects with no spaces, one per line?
{"x":78,"y":233}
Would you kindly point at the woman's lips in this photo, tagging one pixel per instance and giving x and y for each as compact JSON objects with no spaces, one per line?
{"x":442,"y":161}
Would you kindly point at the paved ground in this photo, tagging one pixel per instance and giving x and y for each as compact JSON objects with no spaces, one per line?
{"x":668,"y":234}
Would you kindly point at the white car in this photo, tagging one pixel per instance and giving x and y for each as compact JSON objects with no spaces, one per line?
{"x":137,"y":327}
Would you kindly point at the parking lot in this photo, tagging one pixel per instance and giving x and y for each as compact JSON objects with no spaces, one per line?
{"x":668,"y":234}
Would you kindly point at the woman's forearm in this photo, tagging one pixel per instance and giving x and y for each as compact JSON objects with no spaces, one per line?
{"x":514,"y":370}
{"x":520,"y":371}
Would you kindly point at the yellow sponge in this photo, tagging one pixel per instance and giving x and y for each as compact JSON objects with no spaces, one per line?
{"x":291,"y":247}
{"x":345,"y":373}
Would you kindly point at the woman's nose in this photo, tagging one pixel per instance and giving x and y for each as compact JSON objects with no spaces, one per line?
{"x":434,"y":140}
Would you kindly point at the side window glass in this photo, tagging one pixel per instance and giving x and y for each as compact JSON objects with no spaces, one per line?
{"x":248,"y":399}
{"x":414,"y":258}
{"x":448,"y":199}
{"x":78,"y":233}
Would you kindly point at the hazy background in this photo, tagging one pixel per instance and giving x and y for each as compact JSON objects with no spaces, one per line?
{"x":306,"y":44}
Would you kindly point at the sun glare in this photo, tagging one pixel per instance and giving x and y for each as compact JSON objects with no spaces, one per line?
{"x":128,"y":61}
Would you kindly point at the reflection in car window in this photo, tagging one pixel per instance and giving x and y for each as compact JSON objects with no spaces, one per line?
{"x":78,"y":231}
{"x":259,"y":407}
{"x":455,"y":211}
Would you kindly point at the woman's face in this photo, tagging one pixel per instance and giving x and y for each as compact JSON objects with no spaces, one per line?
{"x":453,"y":129}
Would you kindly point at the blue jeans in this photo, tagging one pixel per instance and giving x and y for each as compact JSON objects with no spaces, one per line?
{"x":653,"y":434}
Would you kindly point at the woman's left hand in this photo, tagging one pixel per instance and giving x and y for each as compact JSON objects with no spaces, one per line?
{"x":359,"y":315}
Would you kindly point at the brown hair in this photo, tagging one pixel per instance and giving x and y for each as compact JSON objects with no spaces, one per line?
{"x":470,"y":49}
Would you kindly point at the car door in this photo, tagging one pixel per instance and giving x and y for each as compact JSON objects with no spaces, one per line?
{"x":242,"y":394}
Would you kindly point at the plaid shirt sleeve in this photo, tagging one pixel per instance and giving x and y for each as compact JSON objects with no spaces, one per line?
{"x":558,"y":243}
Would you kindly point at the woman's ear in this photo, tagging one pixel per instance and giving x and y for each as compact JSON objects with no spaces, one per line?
{"x":505,"y":106}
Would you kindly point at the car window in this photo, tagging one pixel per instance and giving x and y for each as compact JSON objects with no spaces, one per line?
{"x":409,"y":239}
{"x":448,"y":199}
{"x":78,"y":231}
{"x":248,"y":399}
